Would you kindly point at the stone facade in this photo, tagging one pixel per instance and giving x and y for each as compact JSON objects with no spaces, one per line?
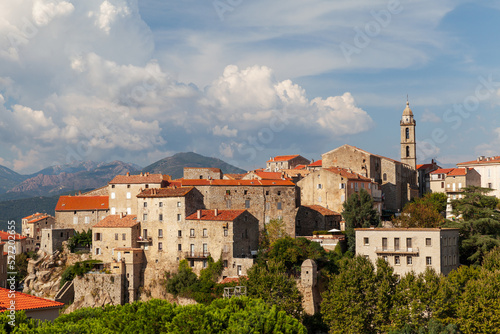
{"x":202,"y":173}
{"x":32,"y":226}
{"x":489,"y":169}
{"x":285,"y":162}
{"x":52,"y":239}
{"x":109,"y":289}
{"x":308,"y":286}
{"x":411,"y":249}
{"x":129,"y":262}
{"x":408,"y":142}
{"x":312,"y":218}
{"x":424,"y":177}
{"x":81,"y":212}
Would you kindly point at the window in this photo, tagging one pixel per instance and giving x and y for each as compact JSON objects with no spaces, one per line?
{"x":428,"y":242}
{"x":87,"y":220}
{"x":160,"y":233}
{"x":320,"y":186}
{"x":160,"y":246}
{"x":396,"y":243}
{"x":128,"y":185}
{"x":442,"y":184}
{"x":191,"y":233}
{"x":179,"y":247}
{"x":226,"y":231}
{"x":75,"y":220}
{"x":245,"y":192}
{"x":146,"y":186}
{"x":112,"y":186}
{"x":225,"y":263}
{"x":228,"y":192}
{"x":179,"y":233}
{"x":267,"y":192}
{"x":384,"y":243}
{"x":385,"y":258}
{"x":366,"y":241}
{"x":490,"y":185}
{"x":145,"y":204}
{"x":179,"y":217}
{"x":409,"y":260}
{"x":205,"y":233}
{"x":278,"y":205}
{"x":385,"y":177}
{"x":129,"y":196}
{"x":145,"y":217}
{"x":279,"y":193}
{"x":205,"y":249}
{"x":124,"y":236}
{"x":160,"y":204}
{"x":160,"y":217}
{"x":191,"y":263}
{"x":97,"y":236}
{"x":145,"y":234}
{"x":113,"y":211}
{"x":428,"y":261}
{"x":205,"y":263}
{"x":129,"y":211}
{"x":226,"y":249}
{"x":407,"y":151}
{"x":97,"y":251}
{"x":228,"y":204}
{"x":268,"y":206}
{"x":116,"y":236}
{"x":342,"y":186}
{"x":408,"y":243}
{"x":247,"y":204}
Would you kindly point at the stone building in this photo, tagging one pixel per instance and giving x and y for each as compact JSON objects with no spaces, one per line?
{"x":262,"y":175}
{"x":202,"y":173}
{"x":411,"y":249}
{"x":285,"y":162}
{"x":80,"y":212}
{"x":312,"y":218}
{"x":396,"y":180}
{"x":53,"y":238}
{"x":408,"y":142}
{"x":424,"y":177}
{"x":308,"y":286}
{"x":123,"y":190}
{"x":489,"y":169}
{"x":331,"y":187}
{"x":230,"y":235}
{"x":114,"y":231}
{"x":32,"y":226}
{"x":264,"y":199}
{"x":22,"y":244}
{"x":315,"y":165}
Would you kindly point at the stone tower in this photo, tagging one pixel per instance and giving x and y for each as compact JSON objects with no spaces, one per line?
{"x":408,"y":144}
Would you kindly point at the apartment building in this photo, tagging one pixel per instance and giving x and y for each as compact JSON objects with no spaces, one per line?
{"x":32,"y":225}
{"x":80,"y":212}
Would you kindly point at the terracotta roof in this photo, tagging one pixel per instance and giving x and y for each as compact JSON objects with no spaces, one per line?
{"x":165,"y":192}
{"x":116,"y":221}
{"x":36,"y":217}
{"x":424,"y":166}
{"x":222,"y":215}
{"x":317,"y":163}
{"x":482,"y":161}
{"x":283,"y":158}
{"x":141,"y":178}
{"x":25,"y":301}
{"x":324,"y":211}
{"x":215,"y":170}
{"x":235,"y":176}
{"x":442,"y":171}
{"x":300,"y":167}
{"x":269,"y":175}
{"x":296,"y":172}
{"x":79,"y":203}
{"x":205,"y":182}
{"x":347,"y":174}
{"x":5,"y":236}
{"x":459,"y":171}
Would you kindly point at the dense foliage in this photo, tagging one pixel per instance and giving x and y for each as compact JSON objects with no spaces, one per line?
{"x":423,"y":212}
{"x":80,"y":240}
{"x":233,"y":315}
{"x":365,"y":299}
{"x":358,"y":212}
{"x":78,"y":269}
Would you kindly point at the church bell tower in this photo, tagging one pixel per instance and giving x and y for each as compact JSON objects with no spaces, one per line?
{"x":408,"y":144}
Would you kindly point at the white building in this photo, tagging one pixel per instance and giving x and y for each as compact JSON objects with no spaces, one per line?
{"x":489,"y":169}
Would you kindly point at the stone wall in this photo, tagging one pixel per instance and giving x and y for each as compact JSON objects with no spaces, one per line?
{"x":81,"y":220}
{"x":52,"y":239}
{"x":96,"y":290}
{"x":202,"y":173}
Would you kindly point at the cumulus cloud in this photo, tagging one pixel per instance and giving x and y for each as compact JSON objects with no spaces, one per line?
{"x":430,"y":117}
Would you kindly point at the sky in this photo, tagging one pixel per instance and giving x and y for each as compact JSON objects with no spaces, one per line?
{"x":242,"y":80}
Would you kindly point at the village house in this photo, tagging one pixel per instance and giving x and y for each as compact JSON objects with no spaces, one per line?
{"x":278,"y":163}
{"x":31,"y":226}
{"x":312,"y":218}
{"x":411,"y":249}
{"x":202,"y":173}
{"x":34,"y":307}
{"x":22,"y":244}
{"x":489,"y":169}
{"x":424,"y":177}
{"x":80,"y":212}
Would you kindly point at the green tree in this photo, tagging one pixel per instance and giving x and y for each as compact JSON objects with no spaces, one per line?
{"x":179,"y":283}
{"x":358,"y":212}
{"x":270,"y":282}
{"x":274,"y":230}
{"x":419,"y":214}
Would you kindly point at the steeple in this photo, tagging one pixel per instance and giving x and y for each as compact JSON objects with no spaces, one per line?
{"x":408,"y":143}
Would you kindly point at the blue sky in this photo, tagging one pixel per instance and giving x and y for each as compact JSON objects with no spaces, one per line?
{"x":244,"y":80}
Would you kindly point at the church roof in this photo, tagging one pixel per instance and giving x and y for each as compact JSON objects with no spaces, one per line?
{"x":407,"y":111}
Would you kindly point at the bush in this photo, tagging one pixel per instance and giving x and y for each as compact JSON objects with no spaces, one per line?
{"x":78,"y":269}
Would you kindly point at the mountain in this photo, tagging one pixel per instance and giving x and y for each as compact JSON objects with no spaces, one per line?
{"x":17,"y":209}
{"x":66,"y":178}
{"x":174,"y":165}
{"x":9,"y":178}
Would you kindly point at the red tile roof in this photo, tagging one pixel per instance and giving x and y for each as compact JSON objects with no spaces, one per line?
{"x":459,"y":171}
{"x":235,"y":176}
{"x":300,"y":167}
{"x":138,"y":179}
{"x":317,"y":163}
{"x":204,"y":182}
{"x":324,"y":211}
{"x":442,"y":171}
{"x":222,"y":215}
{"x":165,"y":192}
{"x":283,"y":158}
{"x":36,"y":217}
{"x":82,"y":203}
{"x":25,"y":301}
{"x":347,"y":174}
{"x":116,"y":221}
{"x":424,"y":166}
{"x":5,"y":236}
{"x":486,"y":160}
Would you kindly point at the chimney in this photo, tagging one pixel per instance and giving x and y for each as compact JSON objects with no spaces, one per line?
{"x":216,"y":212}
{"x":198,"y":214}
{"x":128,"y":173}
{"x":79,"y":193}
{"x":141,"y":174}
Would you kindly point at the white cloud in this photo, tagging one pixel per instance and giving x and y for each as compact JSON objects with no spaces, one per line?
{"x":109,"y":13}
{"x":430,"y":117}
{"x":45,"y":11}
{"x":224,"y":131}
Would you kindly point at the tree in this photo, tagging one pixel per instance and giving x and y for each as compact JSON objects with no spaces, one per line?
{"x":180,"y":282}
{"x":272,"y":231}
{"x":479,"y":223}
{"x":418,"y":214}
{"x":270,"y":282}
{"x":358,"y":212}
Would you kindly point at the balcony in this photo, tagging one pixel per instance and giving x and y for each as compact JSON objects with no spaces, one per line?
{"x":401,"y":251}
{"x":197,"y":255}
{"x":147,"y":240}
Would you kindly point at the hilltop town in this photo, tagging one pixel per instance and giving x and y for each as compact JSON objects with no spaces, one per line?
{"x":145,"y":225}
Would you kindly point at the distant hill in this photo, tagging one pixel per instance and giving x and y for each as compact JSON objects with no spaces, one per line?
{"x":174,"y":165}
{"x":20,"y":208}
{"x":9,"y":179}
{"x":55,"y":180}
